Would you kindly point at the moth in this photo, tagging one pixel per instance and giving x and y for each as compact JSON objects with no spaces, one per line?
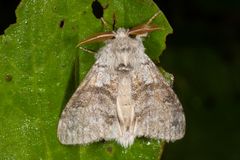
{"x":123,"y":96}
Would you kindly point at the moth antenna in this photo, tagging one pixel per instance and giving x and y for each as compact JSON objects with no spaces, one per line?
{"x":97,"y":38}
{"x":142,"y":29}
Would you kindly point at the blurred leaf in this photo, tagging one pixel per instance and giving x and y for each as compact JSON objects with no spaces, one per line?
{"x":39,"y":71}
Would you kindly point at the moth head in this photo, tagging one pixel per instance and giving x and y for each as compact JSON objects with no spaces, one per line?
{"x":121,"y":33}
{"x":125,"y":50}
{"x":140,"y":31}
{"x":100,"y":37}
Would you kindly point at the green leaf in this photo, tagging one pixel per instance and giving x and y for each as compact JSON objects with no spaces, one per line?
{"x":40,"y":68}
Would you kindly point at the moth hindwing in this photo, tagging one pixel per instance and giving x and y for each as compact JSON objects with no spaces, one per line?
{"x":122,"y":97}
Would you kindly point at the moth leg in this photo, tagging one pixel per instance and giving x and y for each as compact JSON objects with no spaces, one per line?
{"x":106,"y":6}
{"x":87,"y":50}
{"x":119,"y":128}
{"x":114,"y":21}
{"x":105,"y":23}
{"x":135,"y":125}
{"x":152,"y":18}
{"x":144,"y":29}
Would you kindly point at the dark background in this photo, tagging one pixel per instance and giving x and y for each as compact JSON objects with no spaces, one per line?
{"x":204,"y":56}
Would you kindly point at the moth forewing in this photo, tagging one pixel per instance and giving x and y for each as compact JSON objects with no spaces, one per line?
{"x":122,"y":97}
